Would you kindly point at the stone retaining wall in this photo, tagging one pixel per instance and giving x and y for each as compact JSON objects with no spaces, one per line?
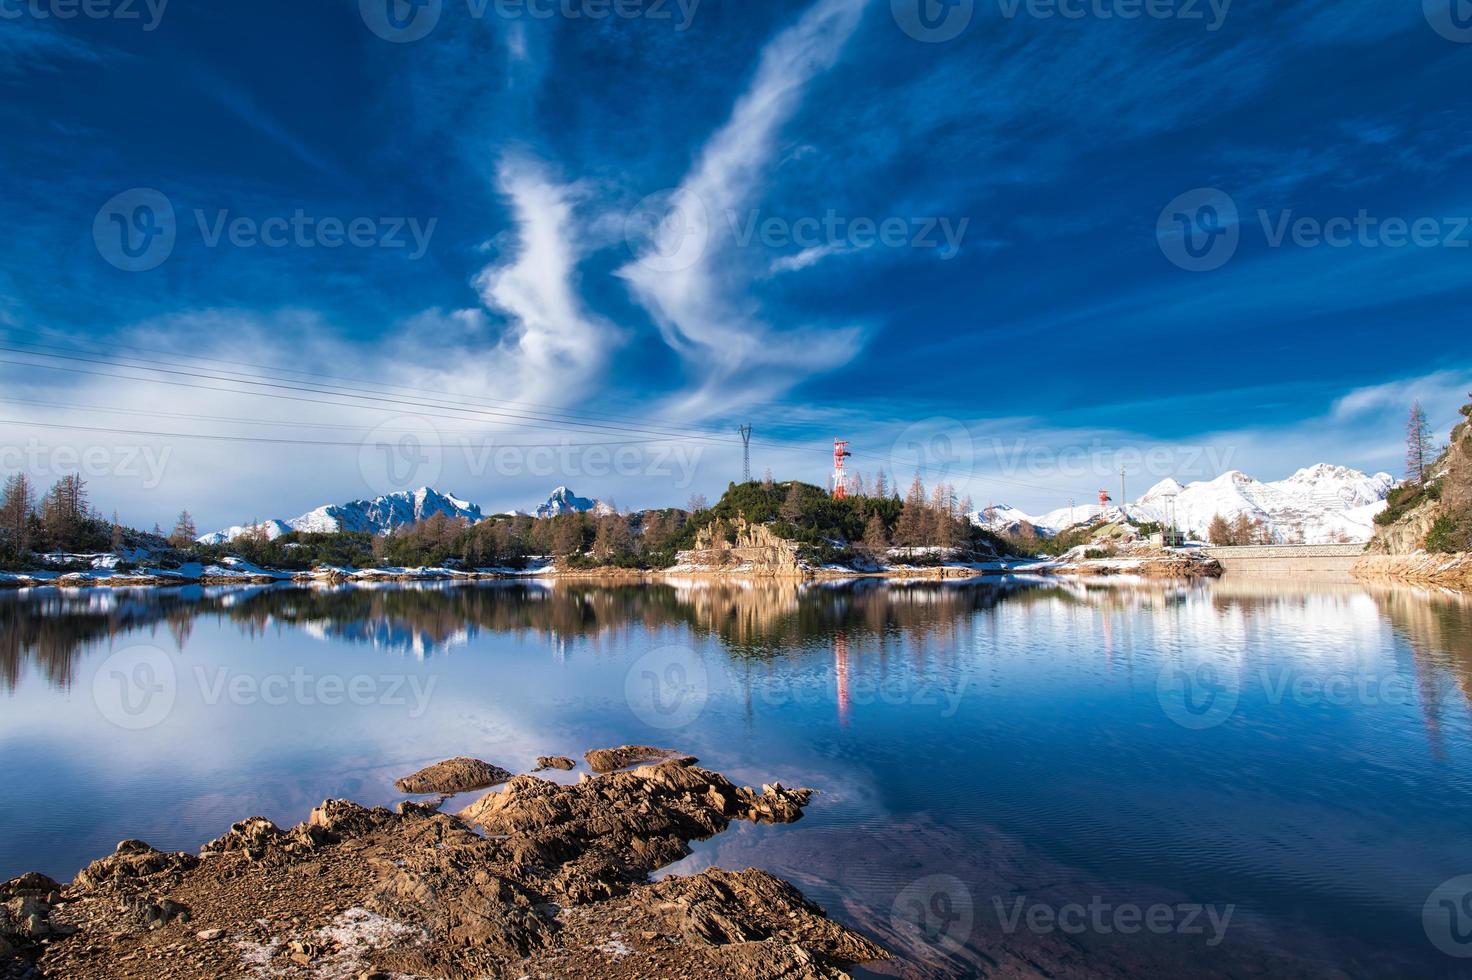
{"x":1281,"y":559}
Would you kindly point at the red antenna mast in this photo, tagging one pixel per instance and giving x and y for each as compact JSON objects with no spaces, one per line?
{"x":840,"y":479}
{"x":1104,"y":500}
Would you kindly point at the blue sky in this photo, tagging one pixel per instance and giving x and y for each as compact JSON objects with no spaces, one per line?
{"x":666,"y":220}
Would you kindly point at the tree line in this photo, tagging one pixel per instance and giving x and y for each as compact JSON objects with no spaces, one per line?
{"x":871,"y":521}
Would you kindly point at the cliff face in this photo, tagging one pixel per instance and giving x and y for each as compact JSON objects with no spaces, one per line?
{"x":754,"y":551}
{"x":1408,"y":533}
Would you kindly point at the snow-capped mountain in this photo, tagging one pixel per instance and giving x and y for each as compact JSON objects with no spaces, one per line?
{"x":382,"y":514}
{"x":1316,"y":505}
{"x":377,"y":516}
{"x":564,"y":501}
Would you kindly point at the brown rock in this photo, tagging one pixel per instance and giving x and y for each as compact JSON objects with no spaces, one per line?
{"x":562,"y":762}
{"x":459,"y":775}
{"x":625,"y":756}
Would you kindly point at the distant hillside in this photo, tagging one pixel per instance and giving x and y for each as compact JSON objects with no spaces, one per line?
{"x":1435,"y":515}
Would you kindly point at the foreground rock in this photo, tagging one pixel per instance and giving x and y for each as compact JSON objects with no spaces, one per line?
{"x":556,"y":887}
{"x":460,"y":775}
{"x":625,"y":756}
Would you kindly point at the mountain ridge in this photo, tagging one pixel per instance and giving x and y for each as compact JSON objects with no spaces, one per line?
{"x":1318,"y":504}
{"x":387,"y":512}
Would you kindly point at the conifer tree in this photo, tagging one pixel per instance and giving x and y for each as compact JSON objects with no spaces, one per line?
{"x":911,"y":529}
{"x":184,"y":531}
{"x":1418,"y":444}
{"x":876,"y":538}
{"x":16,"y":507}
{"x":791,"y":511}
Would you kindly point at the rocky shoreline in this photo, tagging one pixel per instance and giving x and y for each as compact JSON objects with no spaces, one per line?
{"x":1453,"y":571}
{"x":538,"y":879}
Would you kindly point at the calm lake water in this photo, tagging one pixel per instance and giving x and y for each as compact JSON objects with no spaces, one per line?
{"x":1230,"y":778}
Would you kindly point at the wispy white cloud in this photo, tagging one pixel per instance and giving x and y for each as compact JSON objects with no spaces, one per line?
{"x":701,"y":307}
{"x":554,"y":346}
{"x":1440,"y":393}
{"x":809,"y":257}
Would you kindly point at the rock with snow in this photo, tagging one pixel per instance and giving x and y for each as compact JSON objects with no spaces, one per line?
{"x":1317,"y":505}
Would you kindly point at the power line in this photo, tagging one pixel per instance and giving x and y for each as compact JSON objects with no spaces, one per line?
{"x":525,"y":419}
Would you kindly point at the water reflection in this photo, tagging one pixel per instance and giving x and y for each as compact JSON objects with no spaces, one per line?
{"x":1012,"y":734}
{"x":52,"y":627}
{"x":752,"y":621}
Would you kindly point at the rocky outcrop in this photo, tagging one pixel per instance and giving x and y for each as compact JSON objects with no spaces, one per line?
{"x":1429,"y":539}
{"x":545,"y":762}
{"x":742,"y":548}
{"x":606,"y":832}
{"x":1408,"y":533}
{"x":459,"y":775}
{"x":553,"y":883}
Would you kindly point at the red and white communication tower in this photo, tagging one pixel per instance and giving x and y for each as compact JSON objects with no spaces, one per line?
{"x":1104,"y":501}
{"x":840,"y":479}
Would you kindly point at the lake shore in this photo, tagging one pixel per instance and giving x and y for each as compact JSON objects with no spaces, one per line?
{"x":237,"y":572}
{"x":536,"y":878}
{"x":1453,"y":571}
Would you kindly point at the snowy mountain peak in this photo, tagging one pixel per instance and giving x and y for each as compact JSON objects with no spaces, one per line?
{"x":1165,"y":488}
{"x":564,"y":501}
{"x":383,"y":514}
